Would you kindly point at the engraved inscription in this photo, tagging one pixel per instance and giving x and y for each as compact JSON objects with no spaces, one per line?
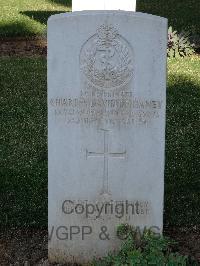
{"x":110,"y":108}
{"x":106,"y":154}
{"x":106,"y":59}
{"x":106,"y":98}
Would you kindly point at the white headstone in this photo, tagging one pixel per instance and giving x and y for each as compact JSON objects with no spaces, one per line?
{"x":79,"y":5}
{"x":106,"y":129}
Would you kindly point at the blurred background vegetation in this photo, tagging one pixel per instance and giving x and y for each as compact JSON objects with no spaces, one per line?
{"x":29,"y":18}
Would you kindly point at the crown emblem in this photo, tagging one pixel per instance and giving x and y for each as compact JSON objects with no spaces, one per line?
{"x":106,"y":59}
{"x":107,"y":35}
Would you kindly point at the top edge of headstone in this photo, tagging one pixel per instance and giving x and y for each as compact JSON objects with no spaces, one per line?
{"x":99,"y":12}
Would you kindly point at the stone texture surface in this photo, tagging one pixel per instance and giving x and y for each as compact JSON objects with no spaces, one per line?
{"x":79,"y":5}
{"x":106,"y":129}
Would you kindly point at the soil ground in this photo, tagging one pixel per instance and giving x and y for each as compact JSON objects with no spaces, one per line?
{"x":30,"y":247}
{"x":23,"y":46}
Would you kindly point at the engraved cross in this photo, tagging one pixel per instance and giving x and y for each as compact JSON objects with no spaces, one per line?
{"x":106,"y":154}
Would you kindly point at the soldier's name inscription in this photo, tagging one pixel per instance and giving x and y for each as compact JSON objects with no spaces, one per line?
{"x":108,"y":107}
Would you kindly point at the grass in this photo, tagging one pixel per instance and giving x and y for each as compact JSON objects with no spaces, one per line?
{"x":23,"y":175}
{"x":20,"y":18}
{"x":28,"y":18}
{"x":183,"y":143}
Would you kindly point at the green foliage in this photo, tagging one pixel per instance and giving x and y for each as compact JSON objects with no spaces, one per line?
{"x":181,"y":15}
{"x":179,"y":45}
{"x":149,"y":249}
